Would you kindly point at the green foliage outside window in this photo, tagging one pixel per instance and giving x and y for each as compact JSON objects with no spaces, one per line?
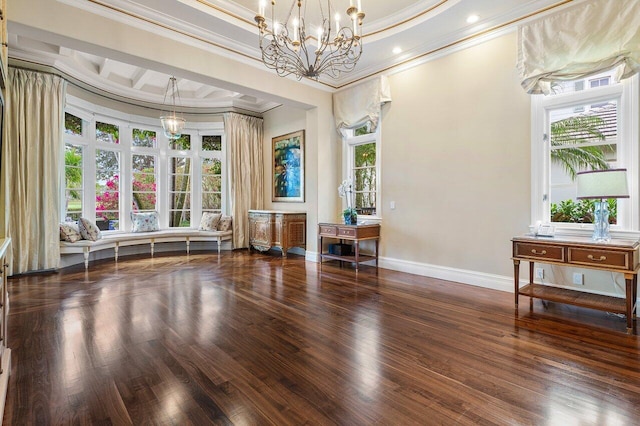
{"x":212,"y":143}
{"x":183,"y":143}
{"x":73,"y":181}
{"x":581,"y":211}
{"x":180,"y":188}
{"x":365,"y":178}
{"x":106,"y":132}
{"x":72,"y":124}
{"x":144,"y":138}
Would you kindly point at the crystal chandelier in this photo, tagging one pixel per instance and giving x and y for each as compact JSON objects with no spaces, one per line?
{"x":172,"y":124}
{"x":293,"y":48}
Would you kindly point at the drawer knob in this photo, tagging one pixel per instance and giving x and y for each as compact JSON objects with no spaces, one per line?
{"x":590,"y":257}
{"x":534,"y":251}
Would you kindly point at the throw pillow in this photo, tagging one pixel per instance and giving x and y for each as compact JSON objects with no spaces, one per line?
{"x":88,"y":230}
{"x":144,"y":222}
{"x":209,"y":221}
{"x":69,"y":232}
{"x":225,"y":223}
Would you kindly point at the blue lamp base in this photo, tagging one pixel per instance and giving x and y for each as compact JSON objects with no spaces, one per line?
{"x":601,"y":222}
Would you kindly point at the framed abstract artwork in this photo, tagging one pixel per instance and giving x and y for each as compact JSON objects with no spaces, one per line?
{"x":288,"y":167}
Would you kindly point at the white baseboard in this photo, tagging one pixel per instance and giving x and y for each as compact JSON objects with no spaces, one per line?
{"x":475,"y":278}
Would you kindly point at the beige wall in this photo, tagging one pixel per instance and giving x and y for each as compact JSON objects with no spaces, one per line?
{"x":322,"y":164}
{"x":456,"y":160}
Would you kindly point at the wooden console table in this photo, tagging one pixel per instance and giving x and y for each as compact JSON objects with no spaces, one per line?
{"x":355,"y":233}
{"x":272,"y":228}
{"x":619,"y":256}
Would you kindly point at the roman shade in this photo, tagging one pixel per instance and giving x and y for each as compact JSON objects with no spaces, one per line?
{"x":355,"y":106}
{"x":582,"y":40}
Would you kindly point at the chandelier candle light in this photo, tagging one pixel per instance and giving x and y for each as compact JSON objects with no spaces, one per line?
{"x":287,"y":47}
{"x":601,"y":185}
{"x":172,"y":124}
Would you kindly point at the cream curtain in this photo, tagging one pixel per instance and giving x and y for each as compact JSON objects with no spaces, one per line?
{"x":31,"y":157}
{"x":354,"y":107}
{"x":244,"y":138}
{"x":585,"y":39}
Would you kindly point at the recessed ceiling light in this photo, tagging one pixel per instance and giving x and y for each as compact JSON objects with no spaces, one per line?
{"x":396,"y":50}
{"x":471,"y":19}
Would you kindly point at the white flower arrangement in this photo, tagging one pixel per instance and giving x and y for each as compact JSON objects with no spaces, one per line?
{"x":346,"y":190}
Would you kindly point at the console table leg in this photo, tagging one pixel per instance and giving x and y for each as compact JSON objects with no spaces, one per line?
{"x":629,"y":281}
{"x":357,"y":254}
{"x":531,"y":263}
{"x":516,"y":279}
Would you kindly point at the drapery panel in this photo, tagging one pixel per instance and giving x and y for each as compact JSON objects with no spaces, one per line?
{"x":585,"y":39}
{"x":31,"y":156}
{"x":355,"y":106}
{"x":246,"y":171}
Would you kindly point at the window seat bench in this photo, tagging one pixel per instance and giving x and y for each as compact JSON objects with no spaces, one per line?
{"x":116,"y":240}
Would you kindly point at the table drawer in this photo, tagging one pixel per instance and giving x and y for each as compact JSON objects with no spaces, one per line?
{"x":539,"y":251}
{"x":328,"y":231}
{"x":346,"y":232}
{"x":603,"y":258}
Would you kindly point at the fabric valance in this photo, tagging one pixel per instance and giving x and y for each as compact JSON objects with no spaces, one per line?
{"x":590,"y":37}
{"x":355,"y":106}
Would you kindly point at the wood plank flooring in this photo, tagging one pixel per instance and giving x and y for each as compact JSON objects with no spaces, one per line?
{"x":254,"y":339}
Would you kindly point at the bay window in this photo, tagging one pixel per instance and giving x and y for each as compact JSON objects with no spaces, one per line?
{"x":115,"y":164}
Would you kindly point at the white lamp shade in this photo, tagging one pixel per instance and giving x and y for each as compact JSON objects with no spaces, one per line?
{"x":601,"y":184}
{"x":173,"y":126}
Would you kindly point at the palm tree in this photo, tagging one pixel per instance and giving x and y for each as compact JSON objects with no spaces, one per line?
{"x":573,"y":131}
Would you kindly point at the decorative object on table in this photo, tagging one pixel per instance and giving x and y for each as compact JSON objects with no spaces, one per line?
{"x":287,"y":46}
{"x":350,"y":214}
{"x":602,"y":185}
{"x":172,"y":123}
{"x":288,"y":167}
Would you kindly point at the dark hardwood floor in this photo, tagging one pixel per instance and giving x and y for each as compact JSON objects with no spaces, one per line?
{"x":256,"y":339}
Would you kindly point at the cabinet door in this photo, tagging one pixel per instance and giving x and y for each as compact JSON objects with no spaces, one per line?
{"x":260,"y":232}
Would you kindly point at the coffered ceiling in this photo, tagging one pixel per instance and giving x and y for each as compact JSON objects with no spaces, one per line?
{"x":415,"y":29}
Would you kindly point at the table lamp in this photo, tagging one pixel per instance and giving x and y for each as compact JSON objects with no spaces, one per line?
{"x":601,"y":185}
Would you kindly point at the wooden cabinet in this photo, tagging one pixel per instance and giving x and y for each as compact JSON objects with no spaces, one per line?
{"x":271,"y":228}
{"x":619,"y":256}
{"x":351,"y":233}
{"x":5,"y":352}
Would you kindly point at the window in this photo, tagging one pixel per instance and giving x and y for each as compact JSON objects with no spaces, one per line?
{"x":363,"y":167}
{"x":107,"y":188}
{"x":143,"y":182}
{"x":108,"y":133}
{"x":584,"y":125}
{"x":73,"y":182}
{"x":72,"y":124}
{"x":180,"y":191}
{"x":144,"y":138}
{"x":211,"y":173}
{"x":121,"y":163}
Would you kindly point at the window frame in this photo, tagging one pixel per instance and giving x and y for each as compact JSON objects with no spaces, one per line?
{"x":90,"y":113}
{"x":350,"y":142}
{"x":627,"y":95}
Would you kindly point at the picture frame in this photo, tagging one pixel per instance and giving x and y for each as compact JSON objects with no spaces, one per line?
{"x":288,"y":167}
